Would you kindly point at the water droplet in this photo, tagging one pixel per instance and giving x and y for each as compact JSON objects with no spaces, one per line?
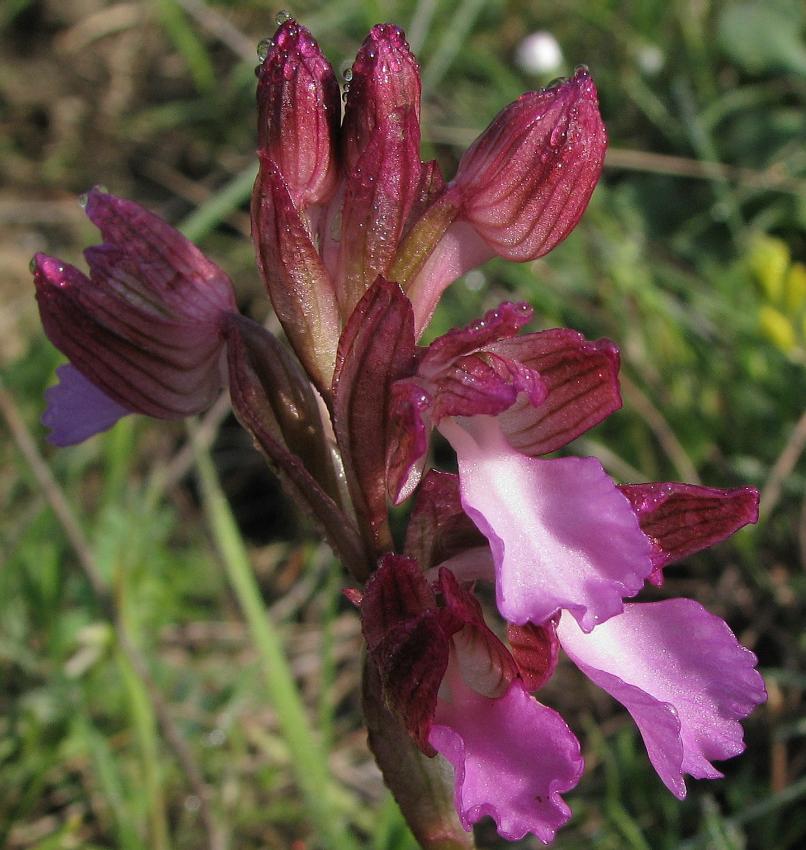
{"x":263,"y":48}
{"x":557,"y":81}
{"x":32,"y":265}
{"x":348,"y":74}
{"x":83,"y":200}
{"x":281,"y":17}
{"x":557,"y":136}
{"x":582,"y":69}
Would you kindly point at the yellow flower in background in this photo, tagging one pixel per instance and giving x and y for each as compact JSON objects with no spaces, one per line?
{"x":782,"y":316}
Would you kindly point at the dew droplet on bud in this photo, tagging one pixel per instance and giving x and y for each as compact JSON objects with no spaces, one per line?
{"x":263,"y":48}
{"x":83,"y":200}
{"x":557,"y":136}
{"x":32,"y":265}
{"x":348,"y":75}
{"x":281,"y":17}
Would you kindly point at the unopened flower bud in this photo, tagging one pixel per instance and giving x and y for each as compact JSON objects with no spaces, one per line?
{"x":299,"y":113}
{"x":527,"y":179}
{"x":385,"y":81}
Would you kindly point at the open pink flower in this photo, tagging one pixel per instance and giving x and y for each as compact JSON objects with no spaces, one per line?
{"x":563,"y":536}
{"x":461,"y":692}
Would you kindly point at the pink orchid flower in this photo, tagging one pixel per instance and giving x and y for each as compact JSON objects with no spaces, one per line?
{"x":461,"y":692}
{"x":356,"y":239}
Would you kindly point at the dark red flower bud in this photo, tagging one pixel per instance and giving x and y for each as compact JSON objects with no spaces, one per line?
{"x":385,"y":79}
{"x":146,"y":326}
{"x":299,"y":113}
{"x":525,"y":182}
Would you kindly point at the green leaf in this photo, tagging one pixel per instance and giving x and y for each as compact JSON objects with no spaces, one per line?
{"x":763,"y":37}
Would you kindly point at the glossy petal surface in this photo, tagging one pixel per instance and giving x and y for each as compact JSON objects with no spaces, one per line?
{"x":581,"y":379}
{"x":298,"y":114}
{"x":682,"y":675}
{"x":561,"y":533}
{"x":512,"y":758}
{"x":526,"y":181}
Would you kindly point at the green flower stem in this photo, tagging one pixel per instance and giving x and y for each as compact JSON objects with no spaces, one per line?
{"x":309,"y":760}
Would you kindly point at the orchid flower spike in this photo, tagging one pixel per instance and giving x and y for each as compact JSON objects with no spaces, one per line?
{"x":356,"y":239}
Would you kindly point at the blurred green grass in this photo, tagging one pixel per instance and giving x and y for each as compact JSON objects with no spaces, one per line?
{"x":690,"y":257}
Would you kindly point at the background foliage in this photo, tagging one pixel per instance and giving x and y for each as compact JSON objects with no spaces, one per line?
{"x":143,"y":702}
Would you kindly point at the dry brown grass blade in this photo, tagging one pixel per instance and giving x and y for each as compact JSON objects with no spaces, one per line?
{"x":783,"y":467}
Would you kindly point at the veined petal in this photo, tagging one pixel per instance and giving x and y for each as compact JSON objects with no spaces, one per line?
{"x":298,"y":114}
{"x":155,"y":267}
{"x":376,"y":349}
{"x":77,"y":409}
{"x":581,"y":379}
{"x":146,"y":327}
{"x":535,"y":650}
{"x":526,"y":181}
{"x":503,"y":322}
{"x":149,"y":361}
{"x":512,"y":758}
{"x":484,"y":384}
{"x":562,"y":535}
{"x":681,"y":519}
{"x":682,"y":675}
{"x":298,"y":284}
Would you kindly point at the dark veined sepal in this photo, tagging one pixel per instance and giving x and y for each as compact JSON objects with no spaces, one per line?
{"x":276,"y":404}
{"x":376,"y":348}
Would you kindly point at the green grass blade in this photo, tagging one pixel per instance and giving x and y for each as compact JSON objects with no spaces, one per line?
{"x":308,"y":756}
